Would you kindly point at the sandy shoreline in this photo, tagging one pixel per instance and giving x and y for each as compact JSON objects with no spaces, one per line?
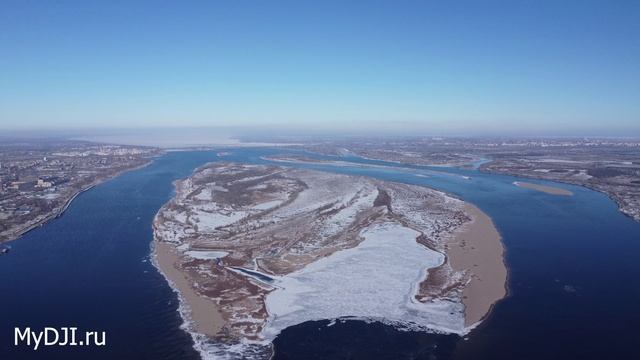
{"x":477,"y":248}
{"x":543,"y":188}
{"x":203,"y":313}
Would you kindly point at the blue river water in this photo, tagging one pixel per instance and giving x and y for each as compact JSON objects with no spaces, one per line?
{"x":573,"y":269}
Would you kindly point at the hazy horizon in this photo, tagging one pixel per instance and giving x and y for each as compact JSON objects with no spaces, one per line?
{"x":390,"y":129}
{"x":229,"y":136}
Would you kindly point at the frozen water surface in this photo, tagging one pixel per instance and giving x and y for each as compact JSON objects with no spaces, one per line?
{"x":376,"y":280}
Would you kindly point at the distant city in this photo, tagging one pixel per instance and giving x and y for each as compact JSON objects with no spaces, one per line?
{"x":38,"y":178}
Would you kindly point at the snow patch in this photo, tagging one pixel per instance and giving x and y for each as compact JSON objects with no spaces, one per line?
{"x":208,"y":222}
{"x":267,"y":205}
{"x":206,"y":254}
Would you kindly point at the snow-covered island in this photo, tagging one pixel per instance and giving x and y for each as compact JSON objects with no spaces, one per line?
{"x":254,"y":249}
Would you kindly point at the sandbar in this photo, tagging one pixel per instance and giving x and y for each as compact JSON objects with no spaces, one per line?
{"x":203,"y":311}
{"x":544,"y":188}
{"x":477,"y":249}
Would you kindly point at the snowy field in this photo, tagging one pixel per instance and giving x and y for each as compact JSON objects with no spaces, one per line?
{"x":376,"y":280}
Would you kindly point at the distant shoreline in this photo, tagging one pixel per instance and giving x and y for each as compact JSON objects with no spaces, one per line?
{"x":611,"y":195}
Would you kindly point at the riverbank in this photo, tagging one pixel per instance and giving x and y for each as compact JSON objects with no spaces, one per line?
{"x":476,"y":249}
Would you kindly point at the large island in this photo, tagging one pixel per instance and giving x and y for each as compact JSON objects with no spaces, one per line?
{"x":253,"y":249}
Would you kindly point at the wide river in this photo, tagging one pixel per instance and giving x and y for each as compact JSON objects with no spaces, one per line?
{"x":574,"y":265}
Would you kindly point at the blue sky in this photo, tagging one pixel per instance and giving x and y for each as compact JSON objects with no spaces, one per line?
{"x":446,"y":67}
